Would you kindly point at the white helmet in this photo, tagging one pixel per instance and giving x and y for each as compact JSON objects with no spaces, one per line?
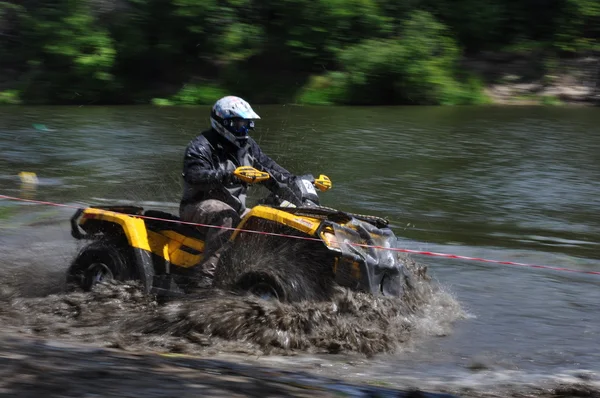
{"x":233,"y":117}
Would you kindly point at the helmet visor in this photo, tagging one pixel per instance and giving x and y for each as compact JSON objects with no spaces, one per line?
{"x":240,"y":126}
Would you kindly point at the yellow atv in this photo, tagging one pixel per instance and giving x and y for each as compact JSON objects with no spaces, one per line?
{"x":278,"y":250}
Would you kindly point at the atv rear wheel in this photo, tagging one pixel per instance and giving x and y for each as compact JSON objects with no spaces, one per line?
{"x":101,"y":260}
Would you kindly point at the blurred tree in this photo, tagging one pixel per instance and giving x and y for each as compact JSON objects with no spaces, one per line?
{"x":578,"y":26}
{"x":63,"y":54}
{"x":124,"y":51}
{"x":314,"y":31}
{"x":10,"y":16}
{"x":415,"y":68}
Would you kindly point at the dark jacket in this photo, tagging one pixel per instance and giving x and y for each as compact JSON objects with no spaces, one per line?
{"x":209,"y":162}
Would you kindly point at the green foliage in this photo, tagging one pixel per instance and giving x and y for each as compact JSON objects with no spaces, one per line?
{"x":475,"y":23}
{"x":308,"y":51}
{"x":69,"y":54}
{"x":10,"y":97}
{"x":323,"y":89}
{"x":161,"y":102}
{"x":579,"y":27}
{"x":223,"y":29}
{"x":321,"y":28}
{"x":550,"y":100}
{"x":198,"y":95}
{"x":416,"y":68}
{"x":12,"y":52}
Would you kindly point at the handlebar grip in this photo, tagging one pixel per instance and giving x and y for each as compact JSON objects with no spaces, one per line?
{"x":250,"y":175}
{"x":323,"y":183}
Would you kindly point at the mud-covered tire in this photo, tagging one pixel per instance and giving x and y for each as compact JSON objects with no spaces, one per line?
{"x":261,"y":284}
{"x":294,"y":270}
{"x":102,"y":260}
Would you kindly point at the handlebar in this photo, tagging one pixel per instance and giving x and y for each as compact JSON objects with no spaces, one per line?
{"x":250,"y":175}
{"x":323,"y":183}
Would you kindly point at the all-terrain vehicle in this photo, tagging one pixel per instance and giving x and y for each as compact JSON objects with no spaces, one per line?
{"x":280,"y":250}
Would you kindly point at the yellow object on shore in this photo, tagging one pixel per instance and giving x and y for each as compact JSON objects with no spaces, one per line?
{"x":28,"y":178}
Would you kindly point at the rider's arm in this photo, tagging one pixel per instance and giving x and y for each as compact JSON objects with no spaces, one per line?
{"x":198,"y":168}
{"x":265,"y":163}
{"x":280,"y":183}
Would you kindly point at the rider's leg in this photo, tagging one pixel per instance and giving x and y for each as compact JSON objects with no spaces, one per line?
{"x":218,"y":219}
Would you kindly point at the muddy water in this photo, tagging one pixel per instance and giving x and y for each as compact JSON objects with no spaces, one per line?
{"x":34,"y":298}
{"x":119,"y":315}
{"x":503,"y":183}
{"x":211,"y":323}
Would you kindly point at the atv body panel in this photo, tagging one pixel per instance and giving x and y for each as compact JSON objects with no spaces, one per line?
{"x":163,"y":248}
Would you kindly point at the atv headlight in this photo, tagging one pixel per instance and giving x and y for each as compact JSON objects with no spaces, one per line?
{"x":330,"y":240}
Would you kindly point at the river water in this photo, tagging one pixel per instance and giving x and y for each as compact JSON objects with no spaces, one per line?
{"x":506,"y":183}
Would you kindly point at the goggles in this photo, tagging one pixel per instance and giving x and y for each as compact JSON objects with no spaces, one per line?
{"x":239,"y":126}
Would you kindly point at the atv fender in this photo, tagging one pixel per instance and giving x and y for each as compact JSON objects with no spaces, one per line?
{"x":102,"y":222}
{"x":144,"y":268}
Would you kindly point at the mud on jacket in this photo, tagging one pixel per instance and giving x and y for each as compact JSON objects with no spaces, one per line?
{"x":208,"y":166}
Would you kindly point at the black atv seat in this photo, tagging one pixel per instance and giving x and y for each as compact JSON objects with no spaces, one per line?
{"x":159,"y":225}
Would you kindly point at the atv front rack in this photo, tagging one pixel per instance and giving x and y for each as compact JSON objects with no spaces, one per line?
{"x":338,"y":216}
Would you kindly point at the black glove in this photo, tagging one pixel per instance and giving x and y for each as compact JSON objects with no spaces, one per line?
{"x":228,"y":178}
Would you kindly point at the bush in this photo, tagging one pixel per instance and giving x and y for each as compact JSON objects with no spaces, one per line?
{"x":192,"y":94}
{"x":323,"y":90}
{"x":466,"y":91}
{"x":72,"y":56}
{"x":419,"y":67}
{"x":10,"y":97}
{"x":550,"y":100}
{"x":162,"y":102}
{"x":382,"y":51}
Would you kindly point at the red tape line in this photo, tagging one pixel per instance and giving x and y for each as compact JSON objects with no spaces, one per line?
{"x":418,"y":252}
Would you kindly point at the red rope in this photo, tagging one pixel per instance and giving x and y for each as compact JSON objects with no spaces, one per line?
{"x":418,"y":252}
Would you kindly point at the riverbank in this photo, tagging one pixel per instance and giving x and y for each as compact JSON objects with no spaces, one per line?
{"x":531,"y":79}
{"x":500,"y":78}
{"x":308,"y":52}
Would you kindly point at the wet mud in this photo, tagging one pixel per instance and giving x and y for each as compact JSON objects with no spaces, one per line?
{"x":70,"y":343}
{"x":120,"y":315}
{"x":116,"y":341}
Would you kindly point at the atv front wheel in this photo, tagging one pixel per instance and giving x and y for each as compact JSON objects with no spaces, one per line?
{"x":261,"y":285}
{"x":100,"y":261}
{"x":273,"y":267}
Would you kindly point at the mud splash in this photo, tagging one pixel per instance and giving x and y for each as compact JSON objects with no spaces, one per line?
{"x":120,"y":316}
{"x":40,"y":351}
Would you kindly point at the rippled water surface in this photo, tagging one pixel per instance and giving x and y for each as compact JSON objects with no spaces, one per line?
{"x":511,"y":184}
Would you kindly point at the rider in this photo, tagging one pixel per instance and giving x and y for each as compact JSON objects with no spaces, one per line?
{"x":212,"y":194}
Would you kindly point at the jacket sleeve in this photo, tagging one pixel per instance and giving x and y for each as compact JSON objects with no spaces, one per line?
{"x":198,"y":167}
{"x":265,"y":163}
